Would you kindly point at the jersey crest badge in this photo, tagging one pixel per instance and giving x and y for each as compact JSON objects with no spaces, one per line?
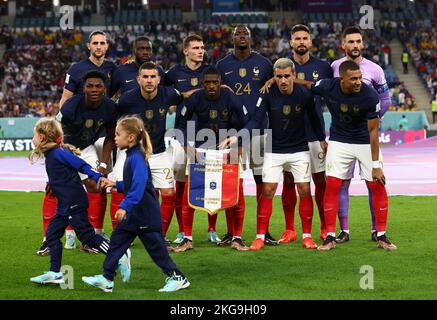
{"x":344,"y":107}
{"x":212,"y":114}
{"x":298,"y":108}
{"x":194,"y":81}
{"x":89,"y":123}
{"x":242,"y":72}
{"x":256,"y":71}
{"x":301,"y":76}
{"x":149,"y":114}
{"x":286,"y":109}
{"x":356,"y":108}
{"x":315,"y":75}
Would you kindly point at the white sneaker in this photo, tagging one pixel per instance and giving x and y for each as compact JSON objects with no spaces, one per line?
{"x":175,"y":283}
{"x":213,"y":237}
{"x":179,"y":238}
{"x":49,"y":278}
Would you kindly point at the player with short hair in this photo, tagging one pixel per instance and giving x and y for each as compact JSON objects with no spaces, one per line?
{"x":309,"y":70}
{"x":97,"y":45}
{"x":186,"y":78}
{"x":83,"y":118}
{"x":373,"y":75}
{"x":245,"y":71}
{"x":123,"y":80}
{"x":354,"y":107}
{"x":215,"y":109}
{"x":151,"y":102}
{"x":286,"y":105}
{"x":125,"y":75}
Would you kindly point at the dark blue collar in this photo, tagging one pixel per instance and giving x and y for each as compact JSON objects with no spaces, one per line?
{"x":135,"y":148}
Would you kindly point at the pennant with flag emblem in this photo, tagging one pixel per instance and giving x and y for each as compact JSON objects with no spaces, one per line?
{"x":213,"y":183}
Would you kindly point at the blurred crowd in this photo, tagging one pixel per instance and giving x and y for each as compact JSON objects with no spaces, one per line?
{"x":35,"y":62}
{"x":421,"y":41}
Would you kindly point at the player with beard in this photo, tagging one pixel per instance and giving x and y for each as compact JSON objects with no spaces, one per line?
{"x":151,"y":102}
{"x":309,"y":70}
{"x":98,"y":46}
{"x":123,"y":80}
{"x":245,"y":72}
{"x":373,"y":75}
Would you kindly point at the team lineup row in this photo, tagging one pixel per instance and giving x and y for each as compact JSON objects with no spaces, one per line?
{"x":228,"y":96}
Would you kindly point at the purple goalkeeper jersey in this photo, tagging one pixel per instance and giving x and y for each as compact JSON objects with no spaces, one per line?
{"x":373,"y":75}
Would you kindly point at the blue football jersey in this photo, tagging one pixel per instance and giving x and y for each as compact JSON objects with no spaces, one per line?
{"x":246,"y":79}
{"x":350,"y":113}
{"x":314,"y":70}
{"x":152,"y":112}
{"x":125,"y":78}
{"x":82,"y":125}
{"x":76,"y":72}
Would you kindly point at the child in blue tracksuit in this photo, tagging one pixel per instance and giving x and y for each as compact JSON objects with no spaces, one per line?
{"x":139,"y":214}
{"x":62,"y":166}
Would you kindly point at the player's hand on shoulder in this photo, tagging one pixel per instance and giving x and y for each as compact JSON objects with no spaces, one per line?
{"x":224,"y":86}
{"x":188,"y":94}
{"x":265,"y":88}
{"x":308,"y":84}
{"x":130,"y":60}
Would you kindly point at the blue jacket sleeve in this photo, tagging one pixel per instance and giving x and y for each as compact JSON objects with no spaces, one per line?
{"x":139,"y":181}
{"x":120,"y":186}
{"x":69,"y":159}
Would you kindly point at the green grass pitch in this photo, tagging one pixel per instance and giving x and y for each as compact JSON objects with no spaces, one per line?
{"x":283,"y":272}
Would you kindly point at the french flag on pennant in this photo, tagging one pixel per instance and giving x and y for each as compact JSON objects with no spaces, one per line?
{"x":213,"y":184}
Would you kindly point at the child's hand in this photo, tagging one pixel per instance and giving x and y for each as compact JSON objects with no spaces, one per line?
{"x":120,"y":214}
{"x":105,"y":183}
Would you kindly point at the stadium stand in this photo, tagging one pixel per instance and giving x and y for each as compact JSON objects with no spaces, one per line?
{"x":36,"y":57}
